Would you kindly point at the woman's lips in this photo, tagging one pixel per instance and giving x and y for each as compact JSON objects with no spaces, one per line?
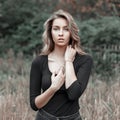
{"x":61,"y":39}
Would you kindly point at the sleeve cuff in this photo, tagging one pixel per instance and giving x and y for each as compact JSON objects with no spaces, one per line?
{"x":74,"y":91}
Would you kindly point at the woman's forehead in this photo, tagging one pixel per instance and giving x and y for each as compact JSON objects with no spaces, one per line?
{"x":60,"y":22}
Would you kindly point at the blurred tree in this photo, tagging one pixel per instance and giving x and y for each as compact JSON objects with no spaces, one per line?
{"x":21,"y":25}
{"x":21,"y":22}
{"x":86,"y":9}
{"x":13,"y":13}
{"x":115,"y":6}
{"x":96,"y":32}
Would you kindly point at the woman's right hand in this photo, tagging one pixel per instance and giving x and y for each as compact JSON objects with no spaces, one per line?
{"x":57,"y":79}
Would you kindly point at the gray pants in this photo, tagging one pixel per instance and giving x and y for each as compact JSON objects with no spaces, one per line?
{"x":43,"y":115}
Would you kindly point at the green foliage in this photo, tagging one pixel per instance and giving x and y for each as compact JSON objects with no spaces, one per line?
{"x":96,"y":35}
{"x":95,"y":32}
{"x":28,"y":35}
{"x":21,"y":28}
{"x":13,"y":13}
{"x":91,"y":3}
{"x":21,"y":25}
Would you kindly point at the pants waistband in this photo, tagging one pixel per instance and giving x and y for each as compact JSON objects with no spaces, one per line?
{"x":52,"y":117}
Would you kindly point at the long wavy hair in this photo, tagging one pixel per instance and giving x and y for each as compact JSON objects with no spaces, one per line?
{"x":48,"y":46}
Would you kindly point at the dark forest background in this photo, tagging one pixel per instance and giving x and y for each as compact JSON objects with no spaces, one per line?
{"x":21,"y":28}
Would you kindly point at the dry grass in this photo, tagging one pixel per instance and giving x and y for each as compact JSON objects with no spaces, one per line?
{"x":100,"y":101}
{"x":14,"y":103}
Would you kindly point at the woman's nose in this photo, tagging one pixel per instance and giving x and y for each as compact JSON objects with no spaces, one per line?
{"x":61,"y":32}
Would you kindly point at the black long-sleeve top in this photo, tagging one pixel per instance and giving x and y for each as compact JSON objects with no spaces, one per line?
{"x":65,"y":101}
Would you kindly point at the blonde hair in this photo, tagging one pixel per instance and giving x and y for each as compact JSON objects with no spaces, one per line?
{"x":74,"y":37}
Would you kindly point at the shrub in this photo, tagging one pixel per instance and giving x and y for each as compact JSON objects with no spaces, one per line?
{"x":96,"y":32}
{"x":99,"y":36}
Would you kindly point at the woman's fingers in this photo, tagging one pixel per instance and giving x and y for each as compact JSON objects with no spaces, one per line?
{"x":70,"y":53}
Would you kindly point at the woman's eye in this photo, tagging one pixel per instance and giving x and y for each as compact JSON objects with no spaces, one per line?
{"x":66,"y":29}
{"x":59,"y":29}
{"x":55,"y":29}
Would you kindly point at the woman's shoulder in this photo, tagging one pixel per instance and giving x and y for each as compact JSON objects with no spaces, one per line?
{"x":84,"y":57}
{"x":40,"y":59}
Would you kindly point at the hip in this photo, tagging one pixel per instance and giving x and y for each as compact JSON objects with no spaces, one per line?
{"x":43,"y":115}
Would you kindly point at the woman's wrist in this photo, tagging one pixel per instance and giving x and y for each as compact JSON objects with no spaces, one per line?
{"x":68,"y":60}
{"x":53,"y":89}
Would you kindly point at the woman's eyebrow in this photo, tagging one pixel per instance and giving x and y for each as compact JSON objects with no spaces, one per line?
{"x":59,"y":26}
{"x":55,"y":26}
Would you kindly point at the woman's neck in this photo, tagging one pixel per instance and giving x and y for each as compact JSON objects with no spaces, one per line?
{"x":59,"y":51}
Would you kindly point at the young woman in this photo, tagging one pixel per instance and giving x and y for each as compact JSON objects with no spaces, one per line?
{"x":59,"y":75}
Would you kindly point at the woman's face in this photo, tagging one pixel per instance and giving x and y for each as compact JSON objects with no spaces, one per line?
{"x":60,"y":32}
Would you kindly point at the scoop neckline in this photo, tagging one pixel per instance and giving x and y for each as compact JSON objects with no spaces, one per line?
{"x":48,"y":65}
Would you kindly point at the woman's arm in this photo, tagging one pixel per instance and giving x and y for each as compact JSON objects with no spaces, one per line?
{"x":38,"y":100}
{"x":77,"y":87}
{"x":57,"y":82}
{"x":70,"y":76}
{"x":42,"y":99}
{"x":76,"y":82}
{"x":35,"y":81}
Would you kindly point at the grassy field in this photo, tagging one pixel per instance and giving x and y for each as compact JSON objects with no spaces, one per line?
{"x":100,"y":101}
